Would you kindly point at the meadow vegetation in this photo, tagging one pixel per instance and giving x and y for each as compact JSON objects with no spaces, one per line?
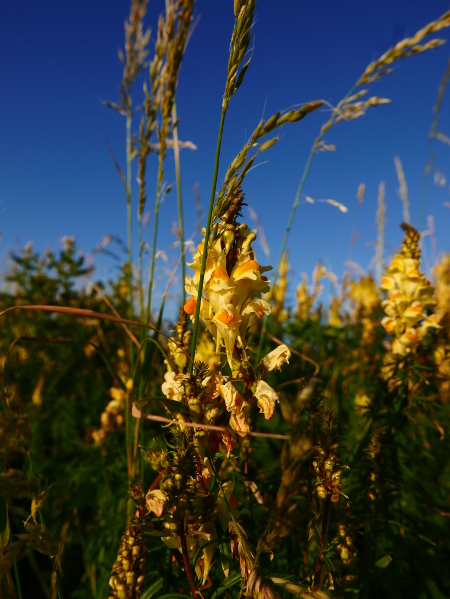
{"x":249,"y":448}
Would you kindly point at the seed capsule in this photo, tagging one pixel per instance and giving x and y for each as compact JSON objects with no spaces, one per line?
{"x":130,"y":577}
{"x":136,"y":551}
{"x":336,"y":477}
{"x":131,"y":541}
{"x":113,"y":581}
{"x":321,"y":492}
{"x":126,"y":565}
{"x":345,"y":554}
{"x":140,"y":580}
{"x":121,"y":591}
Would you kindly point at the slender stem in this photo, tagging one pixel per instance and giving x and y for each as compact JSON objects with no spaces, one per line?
{"x":44,"y":586}
{"x":431,"y":136}
{"x":17,"y":579}
{"x":155,"y":483}
{"x":58,"y":579}
{"x":284,"y":243}
{"x":141,"y":290}
{"x":129,"y":215}
{"x":324,"y":129}
{"x":176,"y":152}
{"x":135,"y":448}
{"x":128,"y":434}
{"x":205,"y":248}
{"x":155,"y":232}
{"x":323,"y":538}
{"x":187,"y":565}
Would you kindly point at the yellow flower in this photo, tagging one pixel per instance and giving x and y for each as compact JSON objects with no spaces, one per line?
{"x":155,"y":501}
{"x":276,"y":358}
{"x":227,"y":322}
{"x":172,"y":386}
{"x":266,"y":397}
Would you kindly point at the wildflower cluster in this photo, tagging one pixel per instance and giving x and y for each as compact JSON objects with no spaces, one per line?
{"x":326,"y":461}
{"x":231,"y":305}
{"x":410,"y":297}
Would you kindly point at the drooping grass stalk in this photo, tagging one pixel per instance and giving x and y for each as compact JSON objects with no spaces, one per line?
{"x":176,"y":152}
{"x":431,"y":136}
{"x":205,"y":248}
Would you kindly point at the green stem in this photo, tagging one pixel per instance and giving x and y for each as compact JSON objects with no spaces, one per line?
{"x":141,"y":291}
{"x":17,"y":579}
{"x":128,"y":438}
{"x":129,"y":216}
{"x":155,"y":231}
{"x":284,"y":243}
{"x":58,"y":579}
{"x":176,"y":152}
{"x":205,"y":247}
{"x":431,"y":135}
{"x":323,"y":539}
{"x":324,"y":129}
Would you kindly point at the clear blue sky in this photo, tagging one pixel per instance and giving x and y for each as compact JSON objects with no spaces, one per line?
{"x":59,"y":60}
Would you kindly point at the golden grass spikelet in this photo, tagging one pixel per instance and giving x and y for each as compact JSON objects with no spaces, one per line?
{"x":403,"y":190}
{"x":357,"y":109}
{"x":244,"y":12}
{"x":405,"y":48}
{"x":136,"y":42}
{"x":380,"y":225}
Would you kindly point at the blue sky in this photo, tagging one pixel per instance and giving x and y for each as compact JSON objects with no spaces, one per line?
{"x":59,"y":61}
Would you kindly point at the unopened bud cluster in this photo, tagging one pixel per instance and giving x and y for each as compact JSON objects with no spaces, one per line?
{"x":186,"y":507}
{"x":127,"y":572}
{"x":327,"y":463}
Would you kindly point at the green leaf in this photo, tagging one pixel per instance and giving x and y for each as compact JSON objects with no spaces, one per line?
{"x":153,"y":589}
{"x":383,"y":562}
{"x":225,"y":556}
{"x":229,"y":582}
{"x":434,"y":591}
